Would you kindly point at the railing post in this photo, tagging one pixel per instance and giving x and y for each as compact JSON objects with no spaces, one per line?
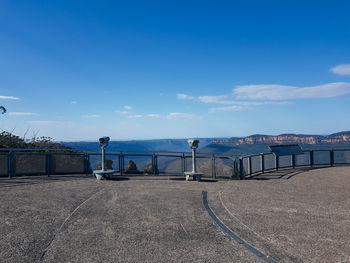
{"x":121,"y":163}
{"x":277,"y":162}
{"x":262,"y":162}
{"x":235,"y":169}
{"x":331,"y":152}
{"x":249,"y":165}
{"x":241,"y":169}
{"x":87,"y":162}
{"x":293,"y":161}
{"x":48,"y":164}
{"x":155,"y":164}
{"x":311,"y":158}
{"x":183,"y":163}
{"x":9,"y":164}
{"x":213,"y":167}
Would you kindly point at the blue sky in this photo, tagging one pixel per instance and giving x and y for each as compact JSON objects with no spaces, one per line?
{"x":77,"y":70}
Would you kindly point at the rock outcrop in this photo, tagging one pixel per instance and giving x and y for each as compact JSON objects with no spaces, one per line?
{"x":149,"y":169}
{"x":342,"y":137}
{"x":132,"y":168}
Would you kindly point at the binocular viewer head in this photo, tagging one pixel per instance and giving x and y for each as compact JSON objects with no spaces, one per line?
{"x":104,"y":141}
{"x":193,"y":143}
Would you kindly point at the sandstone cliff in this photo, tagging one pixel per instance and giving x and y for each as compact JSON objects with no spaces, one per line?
{"x":341,"y":137}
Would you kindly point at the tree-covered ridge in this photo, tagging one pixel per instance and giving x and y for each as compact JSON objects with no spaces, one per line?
{"x":9,"y":140}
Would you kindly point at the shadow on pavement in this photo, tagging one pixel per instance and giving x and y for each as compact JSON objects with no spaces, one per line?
{"x":278,"y":175}
{"x":38,"y":179}
{"x":204,"y":180}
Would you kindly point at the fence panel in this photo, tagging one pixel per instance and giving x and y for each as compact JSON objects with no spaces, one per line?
{"x":285,"y":161}
{"x":341,"y":156}
{"x":67,"y":163}
{"x":269,"y":161}
{"x":4,"y":164}
{"x":322,"y":158}
{"x":256,"y":164}
{"x":112,"y":162}
{"x":141,"y":163}
{"x":169,"y":164}
{"x":302,"y":159}
{"x":223,"y":167}
{"x":32,"y":163}
{"x":245,"y":161}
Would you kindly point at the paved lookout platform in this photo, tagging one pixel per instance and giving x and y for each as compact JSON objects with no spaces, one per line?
{"x":289,"y":216}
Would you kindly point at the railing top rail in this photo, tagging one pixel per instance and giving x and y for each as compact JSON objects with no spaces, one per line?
{"x":109,"y":151}
{"x":305,"y":151}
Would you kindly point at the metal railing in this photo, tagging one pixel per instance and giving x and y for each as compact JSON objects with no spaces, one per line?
{"x":15,"y":162}
{"x":260,"y":163}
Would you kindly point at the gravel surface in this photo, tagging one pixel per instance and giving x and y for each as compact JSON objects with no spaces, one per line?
{"x":292,"y":216}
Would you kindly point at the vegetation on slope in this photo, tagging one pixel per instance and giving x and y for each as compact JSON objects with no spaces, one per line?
{"x":9,"y":140}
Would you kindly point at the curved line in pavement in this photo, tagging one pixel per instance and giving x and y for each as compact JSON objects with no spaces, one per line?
{"x":64,"y":222}
{"x":229,"y":232}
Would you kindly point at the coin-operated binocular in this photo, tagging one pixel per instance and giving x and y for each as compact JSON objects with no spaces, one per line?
{"x":104,"y":141}
{"x":196,"y":176}
{"x":193,"y":143}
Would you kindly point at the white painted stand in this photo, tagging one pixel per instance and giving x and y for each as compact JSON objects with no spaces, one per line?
{"x":195,"y":176}
{"x":100,"y":173}
{"x":103,"y":172}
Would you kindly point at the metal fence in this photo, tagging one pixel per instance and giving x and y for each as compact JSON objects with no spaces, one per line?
{"x":16,"y":162}
{"x":260,"y":163}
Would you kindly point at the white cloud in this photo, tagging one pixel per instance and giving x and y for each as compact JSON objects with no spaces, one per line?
{"x":73,"y":102}
{"x":154,"y":115}
{"x":214,"y":99}
{"x":91,"y":116}
{"x":8,"y":98}
{"x":122,"y":112}
{"x":23,"y":114}
{"x":179,"y":116}
{"x":229,"y":108}
{"x":281,"y":92}
{"x":43,"y":122}
{"x":126,"y":107}
{"x":135,"y":116}
{"x":343,"y":69}
{"x":222,"y":100}
{"x":184,"y":97}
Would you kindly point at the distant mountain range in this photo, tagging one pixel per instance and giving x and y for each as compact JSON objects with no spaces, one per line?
{"x":167,"y":145}
{"x":336,"y":138}
{"x":258,"y":142}
{"x":228,"y":146}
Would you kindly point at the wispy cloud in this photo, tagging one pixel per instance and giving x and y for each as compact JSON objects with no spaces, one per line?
{"x":122,"y":112}
{"x":183,"y":116}
{"x":44,"y":122}
{"x":229,"y":108}
{"x":9,"y":98}
{"x":343,"y":69}
{"x":23,"y":114}
{"x":222,"y":99}
{"x":135,"y":116}
{"x":73,"y":102}
{"x":126,"y":107}
{"x":185,"y":97}
{"x":154,"y":115}
{"x":282,"y":92}
{"x":91,"y":116}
